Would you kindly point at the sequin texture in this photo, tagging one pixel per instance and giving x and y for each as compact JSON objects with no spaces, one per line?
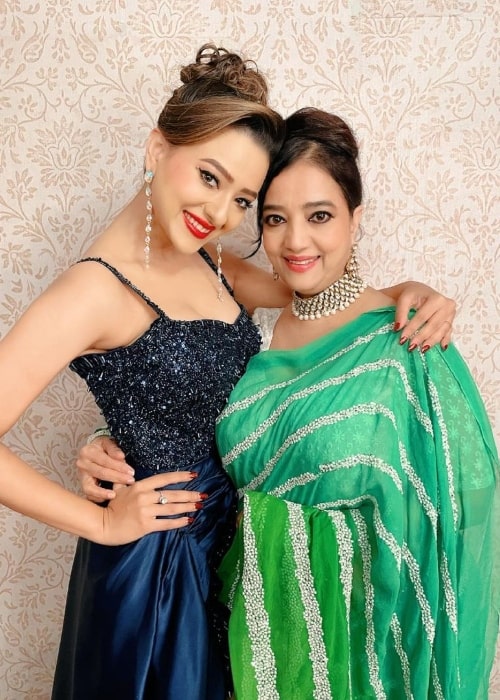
{"x":161,"y":395}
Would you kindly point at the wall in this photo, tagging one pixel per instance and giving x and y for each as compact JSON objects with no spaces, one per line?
{"x":80,"y":89}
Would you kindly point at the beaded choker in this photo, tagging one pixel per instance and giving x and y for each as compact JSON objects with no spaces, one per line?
{"x":337,"y":297}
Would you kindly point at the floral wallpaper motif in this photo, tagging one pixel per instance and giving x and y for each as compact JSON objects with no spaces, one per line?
{"x":80,"y":87}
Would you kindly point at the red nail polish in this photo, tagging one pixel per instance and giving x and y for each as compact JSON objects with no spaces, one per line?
{"x":397,"y":326}
{"x":203,"y":496}
{"x":190,"y":520}
{"x":412,"y":347}
{"x":403,"y":340}
{"x":193,"y":475}
{"x":425,"y":348}
{"x":445,"y":347}
{"x":198,"y":506}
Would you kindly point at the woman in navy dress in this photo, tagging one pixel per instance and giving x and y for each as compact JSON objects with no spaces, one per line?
{"x":160,"y":341}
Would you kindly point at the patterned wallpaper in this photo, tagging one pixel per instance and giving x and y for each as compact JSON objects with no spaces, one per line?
{"x":81,"y":85}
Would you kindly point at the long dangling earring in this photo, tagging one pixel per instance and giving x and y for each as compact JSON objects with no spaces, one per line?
{"x":352,"y":265}
{"x":275,"y":275}
{"x":219,"y":269}
{"x":148,"y":179}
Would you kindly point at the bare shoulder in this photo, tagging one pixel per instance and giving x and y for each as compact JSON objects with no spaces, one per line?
{"x":84,"y":295}
{"x":88,"y":283}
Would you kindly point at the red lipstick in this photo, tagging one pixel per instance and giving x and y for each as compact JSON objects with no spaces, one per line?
{"x":196,"y":226}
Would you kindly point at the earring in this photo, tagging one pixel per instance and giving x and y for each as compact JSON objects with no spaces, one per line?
{"x":275,"y":275}
{"x":352,"y":265}
{"x":148,"y":179}
{"x":219,"y":268}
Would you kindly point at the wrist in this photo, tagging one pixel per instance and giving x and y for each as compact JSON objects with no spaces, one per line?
{"x":99,"y":432}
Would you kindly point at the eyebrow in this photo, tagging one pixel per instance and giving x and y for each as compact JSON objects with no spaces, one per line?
{"x":307,"y":205}
{"x":227,"y":175}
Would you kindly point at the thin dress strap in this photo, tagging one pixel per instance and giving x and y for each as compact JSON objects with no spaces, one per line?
{"x":126,"y":282}
{"x":210,"y":262}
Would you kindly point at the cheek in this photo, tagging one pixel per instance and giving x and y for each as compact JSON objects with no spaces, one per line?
{"x":235,"y":217}
{"x":269,"y":243}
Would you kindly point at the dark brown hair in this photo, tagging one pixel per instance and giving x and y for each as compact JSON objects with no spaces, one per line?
{"x":325,"y":140}
{"x":220,"y":90}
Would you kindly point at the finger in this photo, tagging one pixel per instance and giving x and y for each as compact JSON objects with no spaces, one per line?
{"x":446,"y":339}
{"x":94,"y":492}
{"x":93,"y":455}
{"x":416,"y":324}
{"x":158,"y":524}
{"x":114,"y":451}
{"x":432,"y":333}
{"x":112,"y":457}
{"x":180,"y":496}
{"x":169,"y":509}
{"x":109,"y":446}
{"x":103,"y":473}
{"x":401,"y":317}
{"x":166,"y":479}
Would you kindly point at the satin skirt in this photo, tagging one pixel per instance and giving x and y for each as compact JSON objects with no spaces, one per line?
{"x":142,"y":620}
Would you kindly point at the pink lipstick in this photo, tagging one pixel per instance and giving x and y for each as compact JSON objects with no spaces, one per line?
{"x":300,"y":263}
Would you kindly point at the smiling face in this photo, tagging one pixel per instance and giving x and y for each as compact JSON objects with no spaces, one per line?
{"x":308,"y":230}
{"x":202,"y":190}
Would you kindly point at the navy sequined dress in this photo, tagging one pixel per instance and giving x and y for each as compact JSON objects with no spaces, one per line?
{"x":142,"y":620}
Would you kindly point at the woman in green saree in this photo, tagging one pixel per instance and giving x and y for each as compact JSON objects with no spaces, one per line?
{"x":362,"y":565}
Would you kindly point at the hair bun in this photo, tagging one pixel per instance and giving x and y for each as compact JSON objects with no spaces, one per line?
{"x":229,"y":69}
{"x":331,"y":130}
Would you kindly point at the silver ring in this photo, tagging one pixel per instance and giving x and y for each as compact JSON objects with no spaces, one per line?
{"x":162,"y":499}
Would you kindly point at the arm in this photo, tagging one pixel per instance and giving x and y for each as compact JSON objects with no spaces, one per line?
{"x":68,"y":319}
{"x":255,"y":288}
{"x":134,"y":513}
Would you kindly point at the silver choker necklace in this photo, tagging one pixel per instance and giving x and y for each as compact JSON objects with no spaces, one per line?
{"x":337,"y":297}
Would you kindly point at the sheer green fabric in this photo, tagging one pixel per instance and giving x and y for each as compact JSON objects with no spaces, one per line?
{"x":362,"y":566}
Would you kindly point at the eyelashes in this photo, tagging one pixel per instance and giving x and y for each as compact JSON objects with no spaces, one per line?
{"x":213,"y":181}
{"x":208,"y":178}
{"x":318,"y":217}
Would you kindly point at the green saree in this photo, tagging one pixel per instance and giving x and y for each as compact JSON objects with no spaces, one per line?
{"x":362,"y":565}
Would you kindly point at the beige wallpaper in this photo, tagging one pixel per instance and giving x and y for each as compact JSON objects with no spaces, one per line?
{"x":81,"y":85}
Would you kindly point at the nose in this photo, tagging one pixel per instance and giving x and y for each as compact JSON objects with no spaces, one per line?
{"x":295,"y":237}
{"x":217,"y":211}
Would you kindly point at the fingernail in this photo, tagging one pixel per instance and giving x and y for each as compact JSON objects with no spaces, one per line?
{"x":203,"y":496}
{"x":198,"y":506}
{"x":193,"y":475}
{"x":397,"y":326}
{"x":412,"y":347}
{"x":425,"y":348}
{"x":403,"y":340}
{"x":190,"y":520}
{"x":445,"y":347}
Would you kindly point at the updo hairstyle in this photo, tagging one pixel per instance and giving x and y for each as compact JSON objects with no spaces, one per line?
{"x":220,"y":90}
{"x":325,"y":140}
